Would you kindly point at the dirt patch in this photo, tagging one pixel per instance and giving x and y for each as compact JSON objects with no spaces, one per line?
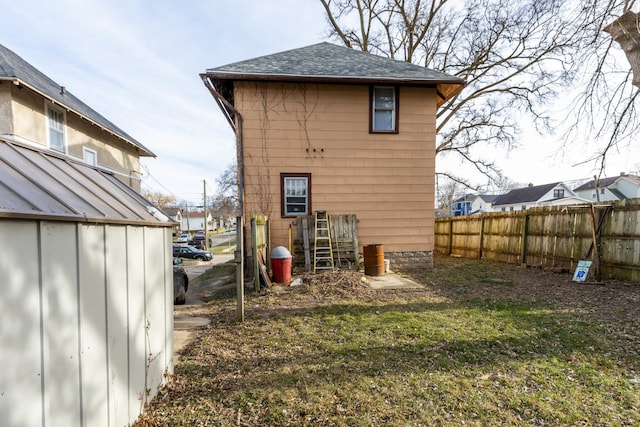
{"x":463,"y":279}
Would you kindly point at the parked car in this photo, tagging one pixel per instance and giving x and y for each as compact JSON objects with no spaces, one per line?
{"x":198,"y":241}
{"x":200,"y":233}
{"x":180,"y":282}
{"x":186,"y":251}
{"x":184,"y":238}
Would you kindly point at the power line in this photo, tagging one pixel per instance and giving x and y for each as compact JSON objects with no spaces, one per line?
{"x":158,"y":182}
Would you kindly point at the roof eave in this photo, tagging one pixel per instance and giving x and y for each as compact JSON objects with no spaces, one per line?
{"x":446,"y":88}
{"x":142,"y":151}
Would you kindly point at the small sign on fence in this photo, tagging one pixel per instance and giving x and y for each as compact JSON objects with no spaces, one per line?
{"x":582,"y":271}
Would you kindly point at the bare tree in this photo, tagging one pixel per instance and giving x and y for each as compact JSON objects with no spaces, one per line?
{"x":225,"y":203}
{"x":605,"y":107}
{"x":159,"y":199}
{"x":515,"y":56}
{"x":448,"y":191}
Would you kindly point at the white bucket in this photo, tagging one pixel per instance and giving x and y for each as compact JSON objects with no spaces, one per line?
{"x":387,"y":264}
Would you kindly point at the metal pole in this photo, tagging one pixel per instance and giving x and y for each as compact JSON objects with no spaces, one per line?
{"x":239,"y":260}
{"x":205,"y":212}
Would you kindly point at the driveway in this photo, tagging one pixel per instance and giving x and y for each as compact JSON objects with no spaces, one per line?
{"x":188,"y":317}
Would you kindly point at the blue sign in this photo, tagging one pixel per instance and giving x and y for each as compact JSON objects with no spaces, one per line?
{"x":582,"y":271}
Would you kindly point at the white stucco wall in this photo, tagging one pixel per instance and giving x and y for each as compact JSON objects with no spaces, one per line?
{"x":87,"y":322}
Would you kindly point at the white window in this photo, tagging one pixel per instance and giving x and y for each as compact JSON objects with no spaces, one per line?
{"x":383,"y":109}
{"x":55,"y":122}
{"x":296,"y":194}
{"x":558,"y":193}
{"x":90,"y":156}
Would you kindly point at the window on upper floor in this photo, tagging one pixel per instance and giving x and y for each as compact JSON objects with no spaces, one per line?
{"x":295,"y":193}
{"x":384,"y":109}
{"x":523,"y":207}
{"x":90,"y":156}
{"x":55,"y":125}
{"x":558,"y":193}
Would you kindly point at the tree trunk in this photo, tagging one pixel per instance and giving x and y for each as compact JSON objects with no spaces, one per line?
{"x":626,"y":31}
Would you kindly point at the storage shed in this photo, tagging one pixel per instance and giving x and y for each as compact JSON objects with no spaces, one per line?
{"x":87,"y":297}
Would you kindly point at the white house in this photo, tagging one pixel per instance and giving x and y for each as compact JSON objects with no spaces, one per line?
{"x":194,"y":221}
{"x":518,"y":199}
{"x":483,"y":203}
{"x":607,"y":189}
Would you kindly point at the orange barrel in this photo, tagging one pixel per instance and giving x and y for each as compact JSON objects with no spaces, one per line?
{"x":374,"y":260}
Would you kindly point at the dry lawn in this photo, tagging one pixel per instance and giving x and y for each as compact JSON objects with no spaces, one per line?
{"x":481,"y":344}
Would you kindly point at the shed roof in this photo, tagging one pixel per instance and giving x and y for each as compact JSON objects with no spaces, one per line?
{"x":14,"y":68}
{"x":326,"y":62}
{"x":525,"y":195}
{"x":39,"y":184}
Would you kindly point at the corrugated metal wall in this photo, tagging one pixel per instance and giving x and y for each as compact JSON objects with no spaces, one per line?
{"x":86,"y":318}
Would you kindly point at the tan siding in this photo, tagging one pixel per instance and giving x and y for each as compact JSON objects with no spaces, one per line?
{"x":6,"y":115}
{"x":387,"y":180}
{"x":29,"y":123}
{"x":28,"y":116}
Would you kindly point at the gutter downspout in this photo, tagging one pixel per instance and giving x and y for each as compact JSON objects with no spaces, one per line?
{"x":234,"y":118}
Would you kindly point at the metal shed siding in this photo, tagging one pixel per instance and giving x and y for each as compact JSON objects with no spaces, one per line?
{"x":87,"y":321}
{"x":60,"y":337}
{"x":19,"y":308}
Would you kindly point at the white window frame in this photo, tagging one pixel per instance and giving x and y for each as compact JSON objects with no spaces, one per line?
{"x":91,"y":152}
{"x":296,"y":193}
{"x":56,"y":126}
{"x":379,"y":106}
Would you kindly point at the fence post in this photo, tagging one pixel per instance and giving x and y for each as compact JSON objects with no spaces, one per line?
{"x":595,"y":236}
{"x":239,"y":260}
{"x":481,"y":236}
{"x":523,"y":249}
{"x":450,"y":242}
{"x":254,"y":252}
{"x":268,"y":244}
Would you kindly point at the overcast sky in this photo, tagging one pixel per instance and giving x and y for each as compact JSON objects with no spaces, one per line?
{"x":137,"y":62}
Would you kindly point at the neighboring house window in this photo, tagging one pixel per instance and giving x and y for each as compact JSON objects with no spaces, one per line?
{"x":510,"y":208}
{"x":524,"y":207}
{"x":295,"y":194}
{"x":384,"y":109}
{"x":503,"y":209}
{"x":558,"y":193}
{"x":602,"y":191}
{"x":90,"y":156}
{"x":55,"y":121}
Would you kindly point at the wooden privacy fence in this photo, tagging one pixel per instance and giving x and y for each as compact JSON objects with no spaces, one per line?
{"x":344,"y":241}
{"x":553,"y":236}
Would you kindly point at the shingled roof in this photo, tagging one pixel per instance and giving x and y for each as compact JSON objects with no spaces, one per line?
{"x":329,"y":63}
{"x":524,"y":195}
{"x":606,"y":182}
{"x":14,"y":68}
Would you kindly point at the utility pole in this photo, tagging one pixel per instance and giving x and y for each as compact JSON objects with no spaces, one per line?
{"x":205,"y":212}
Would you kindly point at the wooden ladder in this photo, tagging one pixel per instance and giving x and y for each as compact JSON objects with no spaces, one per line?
{"x":322,"y":251}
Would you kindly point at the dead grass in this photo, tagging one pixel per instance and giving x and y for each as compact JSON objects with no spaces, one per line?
{"x":481,"y":344}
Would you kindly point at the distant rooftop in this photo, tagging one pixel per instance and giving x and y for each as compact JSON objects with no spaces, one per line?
{"x":606,"y":182}
{"x":524,"y":195}
{"x":14,"y":68}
